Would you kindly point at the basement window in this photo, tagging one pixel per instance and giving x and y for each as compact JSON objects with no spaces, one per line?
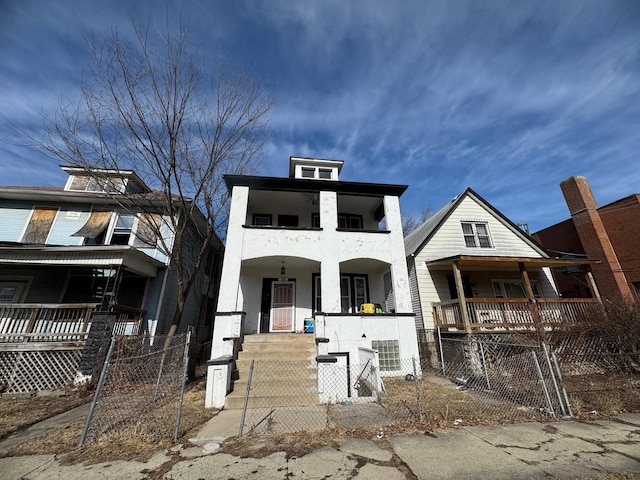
{"x":388,"y":354}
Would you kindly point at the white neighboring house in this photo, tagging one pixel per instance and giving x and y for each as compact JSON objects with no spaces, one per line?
{"x":473,"y":270}
{"x":311,"y":250}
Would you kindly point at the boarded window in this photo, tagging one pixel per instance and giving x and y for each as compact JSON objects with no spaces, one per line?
{"x":147,"y":232}
{"x":39,"y":226}
{"x":96,"y":224}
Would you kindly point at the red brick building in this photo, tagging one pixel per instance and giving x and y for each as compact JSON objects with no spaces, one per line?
{"x":610,"y":233}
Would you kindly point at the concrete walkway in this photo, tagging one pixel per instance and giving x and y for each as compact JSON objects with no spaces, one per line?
{"x":565,"y":449}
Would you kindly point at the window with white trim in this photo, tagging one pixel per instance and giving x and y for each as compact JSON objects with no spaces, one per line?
{"x":388,"y":354}
{"x":476,"y":235}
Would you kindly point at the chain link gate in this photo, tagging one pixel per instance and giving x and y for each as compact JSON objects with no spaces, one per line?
{"x":524,"y":376}
{"x":141,"y":387}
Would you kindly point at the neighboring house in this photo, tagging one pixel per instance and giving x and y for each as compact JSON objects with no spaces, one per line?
{"x":609,"y":233}
{"x":305,"y":253}
{"x":69,"y":253}
{"x":473,"y":270}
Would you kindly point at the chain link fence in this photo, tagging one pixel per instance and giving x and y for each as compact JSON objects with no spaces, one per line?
{"x":140,"y":389}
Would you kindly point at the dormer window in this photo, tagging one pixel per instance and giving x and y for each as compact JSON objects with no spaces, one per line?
{"x":324,"y":173}
{"x":476,"y":235}
{"x":85,"y":183}
{"x":308,"y":172}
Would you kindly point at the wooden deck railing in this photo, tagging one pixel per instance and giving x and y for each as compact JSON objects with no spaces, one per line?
{"x":66,"y":324}
{"x":515,"y":313}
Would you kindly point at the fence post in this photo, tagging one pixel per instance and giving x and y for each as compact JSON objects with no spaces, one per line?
{"x":544,"y":385}
{"x":103,"y":375}
{"x":444,"y":373}
{"x":184,"y":381}
{"x":246,"y":398}
{"x":553,"y":378}
{"x":415,"y":379}
{"x":484,"y":364}
{"x":564,"y":390}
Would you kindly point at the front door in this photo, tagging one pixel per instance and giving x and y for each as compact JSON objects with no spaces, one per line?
{"x":282,"y":306}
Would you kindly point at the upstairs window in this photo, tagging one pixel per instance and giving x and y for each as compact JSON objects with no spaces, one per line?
{"x":122,"y":230}
{"x":324,"y":173}
{"x":350,"y":221}
{"x":308,"y":172}
{"x":476,"y":235}
{"x":86,"y":183}
{"x":262,"y":219}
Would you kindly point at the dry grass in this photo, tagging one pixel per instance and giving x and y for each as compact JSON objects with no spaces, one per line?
{"x":126,"y":444}
{"x":19,"y":413}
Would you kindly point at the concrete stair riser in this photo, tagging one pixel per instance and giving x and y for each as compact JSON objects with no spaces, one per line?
{"x":272,"y":401}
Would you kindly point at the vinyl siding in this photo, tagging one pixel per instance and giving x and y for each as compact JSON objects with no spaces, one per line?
{"x":13,"y":218}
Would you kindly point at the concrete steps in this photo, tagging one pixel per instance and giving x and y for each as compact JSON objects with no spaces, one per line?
{"x":284,"y":374}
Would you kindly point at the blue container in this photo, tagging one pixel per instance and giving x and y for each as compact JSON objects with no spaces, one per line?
{"x":308,"y":325}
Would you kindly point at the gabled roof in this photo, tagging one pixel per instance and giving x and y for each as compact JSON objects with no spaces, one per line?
{"x":416,"y":240}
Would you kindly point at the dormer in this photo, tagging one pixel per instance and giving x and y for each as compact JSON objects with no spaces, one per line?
{"x":102,"y":180}
{"x":314,"y":168}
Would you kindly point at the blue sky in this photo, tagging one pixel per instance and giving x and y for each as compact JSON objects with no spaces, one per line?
{"x":506,"y":97}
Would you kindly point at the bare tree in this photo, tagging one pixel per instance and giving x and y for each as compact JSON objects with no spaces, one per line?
{"x":409,"y":224}
{"x":149,"y":106}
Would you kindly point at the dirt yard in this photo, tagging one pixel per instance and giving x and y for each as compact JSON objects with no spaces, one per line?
{"x":443,"y":406}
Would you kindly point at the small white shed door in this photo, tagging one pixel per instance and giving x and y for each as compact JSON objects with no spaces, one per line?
{"x":282,"y":306}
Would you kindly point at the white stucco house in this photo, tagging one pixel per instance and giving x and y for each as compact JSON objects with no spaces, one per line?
{"x":303,"y":254}
{"x":472,"y":270}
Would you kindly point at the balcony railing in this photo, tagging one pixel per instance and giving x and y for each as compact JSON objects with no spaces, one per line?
{"x":486,"y":314}
{"x":62,"y":324}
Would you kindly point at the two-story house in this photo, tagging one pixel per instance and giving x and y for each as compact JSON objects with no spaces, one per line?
{"x":312,"y":253}
{"x":473,"y":270}
{"x":67,"y":254}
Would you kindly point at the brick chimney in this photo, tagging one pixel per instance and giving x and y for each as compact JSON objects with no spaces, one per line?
{"x":608,"y":275}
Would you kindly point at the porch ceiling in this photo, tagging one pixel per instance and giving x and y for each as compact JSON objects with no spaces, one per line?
{"x":472,"y":261}
{"x":86,"y":256}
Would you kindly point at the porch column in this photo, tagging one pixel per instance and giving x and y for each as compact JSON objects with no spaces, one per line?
{"x":399,"y":275}
{"x":461,"y":298}
{"x":592,"y":285}
{"x":535,"y":311}
{"x":228,"y":316}
{"x":330,"y":261}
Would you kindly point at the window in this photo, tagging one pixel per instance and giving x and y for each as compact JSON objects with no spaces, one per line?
{"x":261,"y":219}
{"x":308,"y":172}
{"x":350,"y":221}
{"x":122,"y":230}
{"x":287,"y":220}
{"x":476,"y":235}
{"x":514,"y":289}
{"x":91,"y":184}
{"x":149,"y":225}
{"x":12,"y":292}
{"x":315,"y":220}
{"x":354,"y":291}
{"x":324,"y":173}
{"x":39,"y":225}
{"x":317,"y":294}
{"x":388,"y":354}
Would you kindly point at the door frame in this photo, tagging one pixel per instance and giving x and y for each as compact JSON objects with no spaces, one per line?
{"x":293,"y":305}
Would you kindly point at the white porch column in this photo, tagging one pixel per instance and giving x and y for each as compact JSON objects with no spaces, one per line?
{"x":399,"y":275}
{"x":330,"y":264}
{"x":228,"y":318}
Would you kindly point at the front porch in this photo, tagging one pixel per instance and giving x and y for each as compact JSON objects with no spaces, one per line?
{"x":524,"y":298}
{"x":513,"y":314}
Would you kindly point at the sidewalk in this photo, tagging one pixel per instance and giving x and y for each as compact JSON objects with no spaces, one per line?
{"x":565,"y":449}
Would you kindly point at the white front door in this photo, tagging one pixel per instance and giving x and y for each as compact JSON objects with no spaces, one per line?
{"x":282,"y":306}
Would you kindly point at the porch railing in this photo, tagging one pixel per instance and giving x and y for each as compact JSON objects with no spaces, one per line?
{"x":515,"y":313}
{"x":67,"y":324}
